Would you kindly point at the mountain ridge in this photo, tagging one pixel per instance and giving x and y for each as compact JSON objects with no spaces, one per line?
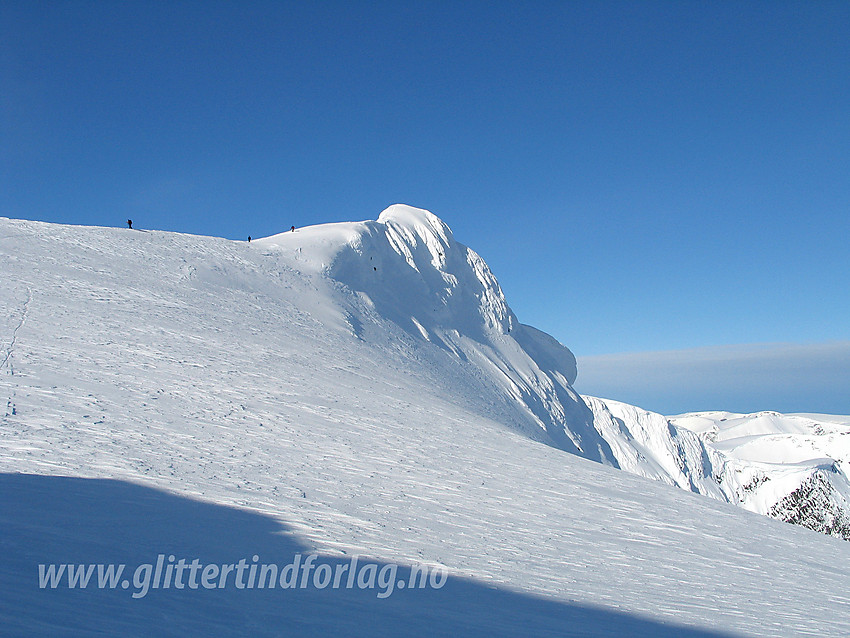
{"x":246,"y":376}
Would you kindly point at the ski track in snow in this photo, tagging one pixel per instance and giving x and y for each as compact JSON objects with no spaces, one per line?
{"x":218,"y":371}
{"x":11,"y":292}
{"x":7,"y":359}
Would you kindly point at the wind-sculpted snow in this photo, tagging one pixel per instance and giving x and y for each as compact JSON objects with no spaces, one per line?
{"x":215,"y":399}
{"x":409,"y":270}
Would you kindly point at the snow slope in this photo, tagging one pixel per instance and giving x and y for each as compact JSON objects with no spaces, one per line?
{"x":645,"y":443}
{"x":406,"y":269}
{"x":216,"y":399}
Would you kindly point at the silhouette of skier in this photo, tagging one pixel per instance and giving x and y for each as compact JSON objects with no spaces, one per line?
{"x":249,"y":239}
{"x":292,"y":229}
{"x":130,"y":224}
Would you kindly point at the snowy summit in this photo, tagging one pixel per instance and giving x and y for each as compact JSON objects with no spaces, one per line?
{"x":364,"y":390}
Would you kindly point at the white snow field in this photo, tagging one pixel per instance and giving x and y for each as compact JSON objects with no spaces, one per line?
{"x":349,"y":389}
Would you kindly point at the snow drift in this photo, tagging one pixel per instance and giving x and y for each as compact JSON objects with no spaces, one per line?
{"x":407,"y":268}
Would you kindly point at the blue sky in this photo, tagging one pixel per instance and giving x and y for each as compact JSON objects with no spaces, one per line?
{"x":642,"y":177}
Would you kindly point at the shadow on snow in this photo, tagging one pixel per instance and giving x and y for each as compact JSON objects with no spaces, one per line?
{"x":53,"y":519}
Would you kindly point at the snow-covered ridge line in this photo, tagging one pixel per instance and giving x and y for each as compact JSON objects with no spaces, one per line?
{"x":406,"y":273}
{"x":790,"y":467}
{"x":407,"y":268}
{"x":236,"y":399}
{"x":793,"y":467}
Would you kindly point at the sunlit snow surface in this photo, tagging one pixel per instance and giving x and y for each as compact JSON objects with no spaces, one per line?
{"x":218,"y":399}
{"x":771,"y":462}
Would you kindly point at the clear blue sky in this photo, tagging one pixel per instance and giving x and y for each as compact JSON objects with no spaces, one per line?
{"x":641,"y":176}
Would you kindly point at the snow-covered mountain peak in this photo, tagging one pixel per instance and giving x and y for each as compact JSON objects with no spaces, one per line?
{"x":420,"y":222}
{"x":422,"y":238}
{"x":270,"y":399}
{"x":407,"y":268}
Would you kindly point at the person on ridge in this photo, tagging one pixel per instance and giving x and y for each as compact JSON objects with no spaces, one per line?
{"x":130,"y":224}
